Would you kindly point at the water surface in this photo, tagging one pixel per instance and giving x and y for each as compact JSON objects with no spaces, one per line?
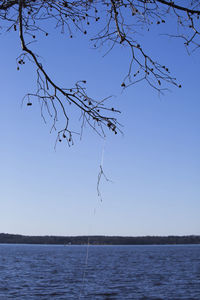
{"x":99,"y":272}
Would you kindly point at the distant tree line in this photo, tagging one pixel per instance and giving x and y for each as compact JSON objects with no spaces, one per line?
{"x":98,"y":240}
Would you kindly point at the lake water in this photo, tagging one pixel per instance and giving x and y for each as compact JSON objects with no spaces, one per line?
{"x":99,"y":272}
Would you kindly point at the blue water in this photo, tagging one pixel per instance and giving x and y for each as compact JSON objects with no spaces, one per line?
{"x":110,"y":272}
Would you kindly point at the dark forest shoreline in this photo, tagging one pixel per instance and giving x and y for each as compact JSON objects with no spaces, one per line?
{"x":6,"y":238}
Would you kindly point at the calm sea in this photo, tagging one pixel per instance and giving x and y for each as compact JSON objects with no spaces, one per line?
{"x":99,"y":272}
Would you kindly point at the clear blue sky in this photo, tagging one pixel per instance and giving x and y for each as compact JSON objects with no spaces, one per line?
{"x":155,"y":166}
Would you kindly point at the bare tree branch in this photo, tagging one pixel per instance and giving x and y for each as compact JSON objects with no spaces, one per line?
{"x":174,"y":5}
{"x":119,"y":24}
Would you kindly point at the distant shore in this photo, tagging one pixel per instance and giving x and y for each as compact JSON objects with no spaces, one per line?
{"x":6,"y":238}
